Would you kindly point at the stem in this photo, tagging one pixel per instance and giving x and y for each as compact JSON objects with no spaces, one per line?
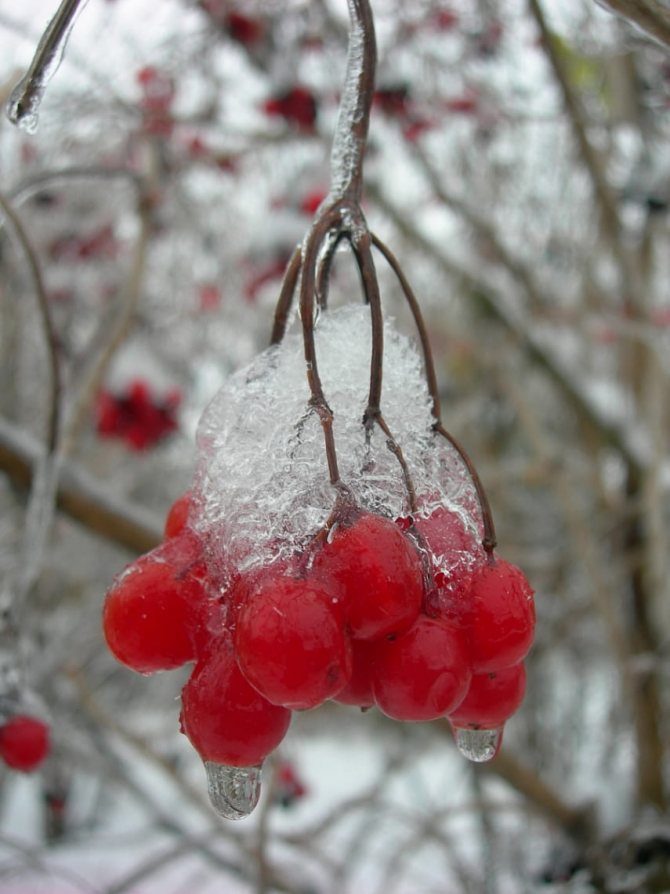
{"x":25,"y":100}
{"x":351,"y":131}
{"x":413,"y":303}
{"x":361,"y":245}
{"x":307,"y":288}
{"x":286,"y":297}
{"x":489,"y":540}
{"x":47,"y":322}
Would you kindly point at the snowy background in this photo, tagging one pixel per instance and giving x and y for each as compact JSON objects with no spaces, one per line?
{"x":518,"y":168}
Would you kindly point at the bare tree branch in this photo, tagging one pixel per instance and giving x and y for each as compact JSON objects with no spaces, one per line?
{"x":80,"y":496}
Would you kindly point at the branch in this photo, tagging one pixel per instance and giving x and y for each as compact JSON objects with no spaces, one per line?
{"x":649,"y":15}
{"x":45,"y":316}
{"x":80,"y":496}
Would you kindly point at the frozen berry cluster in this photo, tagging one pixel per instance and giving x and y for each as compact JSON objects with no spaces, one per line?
{"x":364,"y":616}
{"x":24,"y":742}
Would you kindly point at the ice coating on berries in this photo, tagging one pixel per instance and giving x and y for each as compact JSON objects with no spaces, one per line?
{"x":226,"y":719}
{"x":291,"y":644}
{"x":233,"y":791}
{"x":24,"y":742}
{"x":378,"y":570}
{"x":478,"y":745}
{"x":262,"y":488}
{"x":501,"y":616}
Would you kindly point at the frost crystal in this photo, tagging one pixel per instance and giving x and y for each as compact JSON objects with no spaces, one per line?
{"x":262,"y":488}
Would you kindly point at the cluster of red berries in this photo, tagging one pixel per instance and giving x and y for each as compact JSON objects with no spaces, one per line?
{"x":24,"y":742}
{"x":137,"y":416}
{"x":367,"y":615}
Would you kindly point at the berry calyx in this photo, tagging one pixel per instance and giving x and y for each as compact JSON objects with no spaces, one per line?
{"x":291,"y":644}
{"x":225,"y":718}
{"x":153,"y":609}
{"x":24,"y":742}
{"x":501,"y":615}
{"x":379,"y":572}
{"x":177,"y":516}
{"x":491,"y":699}
{"x":423,"y":673}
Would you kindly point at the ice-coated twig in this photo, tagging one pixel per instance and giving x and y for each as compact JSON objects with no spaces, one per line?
{"x":41,"y":504}
{"x":45,"y":318}
{"x":24,"y":102}
{"x":351,"y":131}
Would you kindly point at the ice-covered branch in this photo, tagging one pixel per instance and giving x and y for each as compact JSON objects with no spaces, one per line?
{"x":24,"y":103}
{"x":351,"y":132}
{"x":652,"y":16}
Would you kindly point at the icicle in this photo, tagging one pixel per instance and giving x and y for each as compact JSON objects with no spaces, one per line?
{"x":478,"y":745}
{"x":24,"y":103}
{"x":233,"y":791}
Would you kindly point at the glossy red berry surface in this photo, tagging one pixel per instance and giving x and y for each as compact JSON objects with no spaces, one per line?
{"x":24,"y":742}
{"x":177,"y":516}
{"x":291,"y":644}
{"x":423,"y":673}
{"x":226,"y":719}
{"x":358,"y":690}
{"x":152,"y":610}
{"x":491,"y":699}
{"x":379,"y":572}
{"x":502,"y":616}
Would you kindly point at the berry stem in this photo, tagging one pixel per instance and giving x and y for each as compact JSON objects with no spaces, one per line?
{"x":351,"y":131}
{"x":419,"y":322}
{"x":285,"y":301}
{"x":489,"y":540}
{"x":361,"y":242}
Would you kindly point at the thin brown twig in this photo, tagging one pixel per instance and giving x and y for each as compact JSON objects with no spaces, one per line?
{"x":50,"y":339}
{"x":80,"y":496}
{"x":286,"y":294}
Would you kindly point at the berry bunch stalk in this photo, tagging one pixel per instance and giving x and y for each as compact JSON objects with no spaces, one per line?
{"x":341,"y":218}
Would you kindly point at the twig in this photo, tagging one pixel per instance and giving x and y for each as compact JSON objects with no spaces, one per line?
{"x":45,"y":317}
{"x":80,"y":496}
{"x":649,"y":15}
{"x":25,"y":100}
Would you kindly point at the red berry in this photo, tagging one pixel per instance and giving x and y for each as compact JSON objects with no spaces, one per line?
{"x":422,"y":674}
{"x":225,"y":718}
{"x":358,"y":690}
{"x":491,"y":699}
{"x":24,"y":742}
{"x":152,"y":610}
{"x":379,"y":572}
{"x":501,"y":614}
{"x":244,"y":29}
{"x":291,"y":644}
{"x":296,"y":106}
{"x":178,"y":515}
